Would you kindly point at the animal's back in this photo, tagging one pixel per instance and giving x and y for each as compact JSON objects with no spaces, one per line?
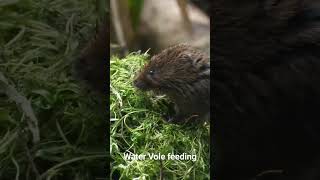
{"x":266,"y":92}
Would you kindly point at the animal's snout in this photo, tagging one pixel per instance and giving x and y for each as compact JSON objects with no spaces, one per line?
{"x":139,"y":84}
{"x":135,"y":83}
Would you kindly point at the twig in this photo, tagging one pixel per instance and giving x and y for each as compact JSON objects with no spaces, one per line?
{"x":117,"y":24}
{"x":25,"y":106}
{"x":33,"y":165}
{"x":183,"y":5}
{"x":161,"y":170}
{"x":274,"y":171}
{"x":17,"y":167}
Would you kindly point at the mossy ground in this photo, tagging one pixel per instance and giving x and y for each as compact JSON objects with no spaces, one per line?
{"x":137,"y":127}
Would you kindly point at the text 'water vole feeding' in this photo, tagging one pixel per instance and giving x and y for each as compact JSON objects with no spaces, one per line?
{"x":183,"y":74}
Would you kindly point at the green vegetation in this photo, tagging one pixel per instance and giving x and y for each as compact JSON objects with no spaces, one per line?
{"x":135,"y":8}
{"x":49,"y":127}
{"x":137,"y":127}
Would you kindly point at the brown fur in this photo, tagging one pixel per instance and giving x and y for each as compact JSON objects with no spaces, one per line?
{"x":266,"y":86}
{"x":182,"y":73}
{"x":91,"y":66}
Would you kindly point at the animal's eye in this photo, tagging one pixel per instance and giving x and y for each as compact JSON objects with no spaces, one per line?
{"x":151,"y":72}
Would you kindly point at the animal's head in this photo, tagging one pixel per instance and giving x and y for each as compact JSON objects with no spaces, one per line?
{"x":173,"y":68}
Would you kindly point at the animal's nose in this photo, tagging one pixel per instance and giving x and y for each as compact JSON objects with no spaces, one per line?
{"x":135,"y":82}
{"x":139,"y":84}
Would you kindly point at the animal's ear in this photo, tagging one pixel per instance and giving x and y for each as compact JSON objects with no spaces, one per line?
{"x":202,"y":65}
{"x":205,"y":69}
{"x":195,"y":60}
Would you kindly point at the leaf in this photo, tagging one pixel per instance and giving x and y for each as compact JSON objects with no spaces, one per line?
{"x":135,"y":7}
{"x":7,"y":2}
{"x":5,"y":116}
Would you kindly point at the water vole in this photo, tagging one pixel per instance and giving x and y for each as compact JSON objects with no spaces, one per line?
{"x":183,"y":74}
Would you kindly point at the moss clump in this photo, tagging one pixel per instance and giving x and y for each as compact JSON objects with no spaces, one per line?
{"x":137,"y":127}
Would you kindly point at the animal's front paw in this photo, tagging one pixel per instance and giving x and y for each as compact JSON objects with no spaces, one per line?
{"x":167,"y":118}
{"x":173,"y":119}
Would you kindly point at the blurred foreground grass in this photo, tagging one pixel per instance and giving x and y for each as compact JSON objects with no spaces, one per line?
{"x":137,"y":127}
{"x":49,"y":127}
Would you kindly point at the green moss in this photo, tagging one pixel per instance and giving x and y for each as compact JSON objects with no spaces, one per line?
{"x":137,"y":127}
